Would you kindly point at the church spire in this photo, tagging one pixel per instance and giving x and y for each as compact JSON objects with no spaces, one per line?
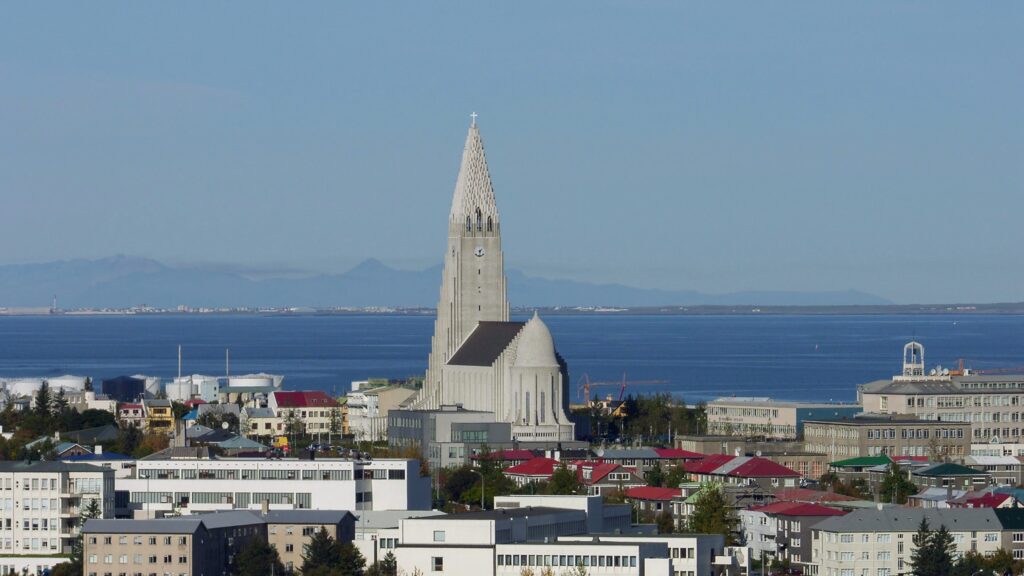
{"x":473,"y":205}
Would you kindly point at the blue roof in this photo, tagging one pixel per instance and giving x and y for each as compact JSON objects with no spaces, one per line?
{"x":104,"y":456}
{"x":192,"y":415}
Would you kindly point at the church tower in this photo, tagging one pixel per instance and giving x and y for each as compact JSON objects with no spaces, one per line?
{"x":473,"y":281}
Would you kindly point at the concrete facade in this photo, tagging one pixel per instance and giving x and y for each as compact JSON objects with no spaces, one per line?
{"x":894,"y":436}
{"x":771,"y":419}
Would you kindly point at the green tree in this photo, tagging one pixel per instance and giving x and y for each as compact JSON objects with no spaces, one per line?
{"x":322,"y":550}
{"x":943,"y":551}
{"x":934,"y":551}
{"x":921,"y":563}
{"x":665,"y":522}
{"x":128,"y":440}
{"x":352,"y":562}
{"x":711,"y":514}
{"x":60,"y":402}
{"x":655,"y":476}
{"x":257,"y":558}
{"x":387,"y":566}
{"x":44,"y":400}
{"x":563,"y":481}
{"x":895,"y":487}
{"x":676,"y":476}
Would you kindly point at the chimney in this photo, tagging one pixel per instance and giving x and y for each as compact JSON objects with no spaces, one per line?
{"x":98,"y":450}
{"x":949,"y":492}
{"x":265,"y":507}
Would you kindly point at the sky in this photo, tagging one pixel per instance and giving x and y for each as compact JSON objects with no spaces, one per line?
{"x":720,"y":147}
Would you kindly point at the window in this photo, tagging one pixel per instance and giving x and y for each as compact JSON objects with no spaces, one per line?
{"x":289,"y":547}
{"x":991,"y":537}
{"x":437,"y":564}
{"x":438,"y":535}
{"x":884,"y":538}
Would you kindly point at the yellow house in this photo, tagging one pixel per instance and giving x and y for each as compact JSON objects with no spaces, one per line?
{"x":159,"y":416}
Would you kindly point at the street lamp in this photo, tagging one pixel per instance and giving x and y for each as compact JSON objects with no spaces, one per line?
{"x":483,"y":485}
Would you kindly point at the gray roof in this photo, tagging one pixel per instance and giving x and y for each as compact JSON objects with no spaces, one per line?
{"x":182,"y":453}
{"x":157,"y":402}
{"x":227,"y":408}
{"x":307,"y":516}
{"x":46,"y":466}
{"x":179,"y":525}
{"x":630,"y":453}
{"x":898,"y":519}
{"x":230,"y":518}
{"x":485,"y":343}
{"x":93,"y":435}
{"x":258,"y":413}
{"x":503,"y":513}
{"x":377,"y":519}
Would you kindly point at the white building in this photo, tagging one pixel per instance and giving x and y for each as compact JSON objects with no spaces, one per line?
{"x":880,"y":542}
{"x":200,"y":485}
{"x":41,"y":507}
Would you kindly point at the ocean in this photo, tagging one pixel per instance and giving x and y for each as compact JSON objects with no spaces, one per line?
{"x":820,"y":358}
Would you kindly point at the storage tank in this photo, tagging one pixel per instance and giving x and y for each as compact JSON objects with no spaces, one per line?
{"x":179,"y":390}
{"x":67,"y":382}
{"x":151,"y":384}
{"x":252,"y":381}
{"x":24,"y":387}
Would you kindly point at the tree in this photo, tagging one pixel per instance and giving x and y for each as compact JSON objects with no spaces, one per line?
{"x":921,"y":557}
{"x":388,"y":566}
{"x":563,"y":481}
{"x":943,"y":551}
{"x":895,"y":488}
{"x":665,"y":522}
{"x":934,"y":552}
{"x":44,"y":400}
{"x":60,"y":403}
{"x":655,"y":476}
{"x":322,"y":550}
{"x":257,"y":558}
{"x":128,"y":440}
{"x":352,"y":562}
{"x":676,"y":476}
{"x":711,"y":514}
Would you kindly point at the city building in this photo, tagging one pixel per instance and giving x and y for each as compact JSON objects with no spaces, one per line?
{"x":131,"y":414}
{"x":368,"y":410}
{"x":193,"y":545}
{"x":311,"y":412}
{"x":256,"y":422}
{"x":742,"y":471}
{"x":179,"y":482}
{"x":896,"y":436}
{"x":604,"y":479}
{"x":767,"y":418}
{"x":478,"y":358}
{"x":291,"y":530}
{"x":1004,"y":470}
{"x":882,"y":541}
{"x":159,"y":415}
{"x":652,"y":500}
{"x":781,"y":531}
{"x":992,"y":404}
{"x":43,"y":506}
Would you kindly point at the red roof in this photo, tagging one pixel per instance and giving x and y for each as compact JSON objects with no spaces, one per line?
{"x":506,"y":455}
{"x":130,"y":407}
{"x":989,"y":500}
{"x":808,"y":495}
{"x":739,"y":467}
{"x":194,"y":402}
{"x":314,"y":399}
{"x":539,"y":466}
{"x":653,"y":493}
{"x":798,"y":509}
{"x":598,"y":470}
{"x":678,"y":454}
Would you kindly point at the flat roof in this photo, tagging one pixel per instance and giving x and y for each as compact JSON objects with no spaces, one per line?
{"x":503,"y":513}
{"x":769,"y":403}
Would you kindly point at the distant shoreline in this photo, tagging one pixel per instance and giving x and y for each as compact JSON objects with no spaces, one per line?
{"x":1013,"y":308}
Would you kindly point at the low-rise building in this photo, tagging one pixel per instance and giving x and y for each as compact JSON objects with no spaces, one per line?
{"x":882,"y":541}
{"x":261,"y":423}
{"x":767,"y":418}
{"x":159,"y":415}
{"x":781,"y":531}
{"x":896,"y":436}
{"x":651,"y":500}
{"x":309,"y":412}
{"x":1005,"y":470}
{"x":742,"y":471}
{"x":603,"y":479}
{"x":368,"y":410}
{"x":291,"y":530}
{"x":188,"y":485}
{"x":131,"y":414}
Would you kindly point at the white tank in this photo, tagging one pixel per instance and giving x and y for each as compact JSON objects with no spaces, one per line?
{"x":179,"y":390}
{"x":24,"y":387}
{"x":152,"y":384}
{"x":68,"y":383}
{"x":255,"y":381}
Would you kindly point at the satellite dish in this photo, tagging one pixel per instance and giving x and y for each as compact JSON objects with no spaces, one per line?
{"x":932,"y":372}
{"x":600,"y":452}
{"x":945,"y":371}
{"x":224,"y":425}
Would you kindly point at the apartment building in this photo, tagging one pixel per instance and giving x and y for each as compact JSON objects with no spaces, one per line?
{"x":42,"y":504}
{"x":192,"y":485}
{"x":881,"y":541}
{"x":368,"y":410}
{"x":891,"y":435}
{"x":782,"y":530}
{"x":1005,"y":470}
{"x":291,"y":530}
{"x":993,"y":405}
{"x":767,"y":418}
{"x":314,"y":412}
{"x":180,"y":546}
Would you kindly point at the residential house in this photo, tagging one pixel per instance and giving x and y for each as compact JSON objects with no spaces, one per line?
{"x":130,"y":414}
{"x":313,"y":412}
{"x":159,"y":415}
{"x":742,"y":471}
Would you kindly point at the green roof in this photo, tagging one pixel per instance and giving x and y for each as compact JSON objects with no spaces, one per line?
{"x":862,"y":462}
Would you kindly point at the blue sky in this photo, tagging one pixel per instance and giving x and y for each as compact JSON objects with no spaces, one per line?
{"x":718,"y":147}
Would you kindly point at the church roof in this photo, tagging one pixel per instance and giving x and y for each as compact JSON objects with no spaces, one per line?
{"x":473,"y":188}
{"x":536,"y":348}
{"x":487,"y":341}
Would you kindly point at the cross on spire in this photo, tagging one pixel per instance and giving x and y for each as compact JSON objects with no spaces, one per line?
{"x":473,"y":116}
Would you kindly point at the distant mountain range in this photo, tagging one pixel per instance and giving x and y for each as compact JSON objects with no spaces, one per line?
{"x":123,"y":281}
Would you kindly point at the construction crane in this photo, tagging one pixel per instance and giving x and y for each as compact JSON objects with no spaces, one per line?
{"x":584,"y":385}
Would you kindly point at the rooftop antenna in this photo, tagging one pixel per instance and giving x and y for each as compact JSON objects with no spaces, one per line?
{"x":227,"y":363}
{"x":179,"y":361}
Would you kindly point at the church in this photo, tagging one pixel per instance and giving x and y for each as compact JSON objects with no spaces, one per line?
{"x":480,"y":360}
